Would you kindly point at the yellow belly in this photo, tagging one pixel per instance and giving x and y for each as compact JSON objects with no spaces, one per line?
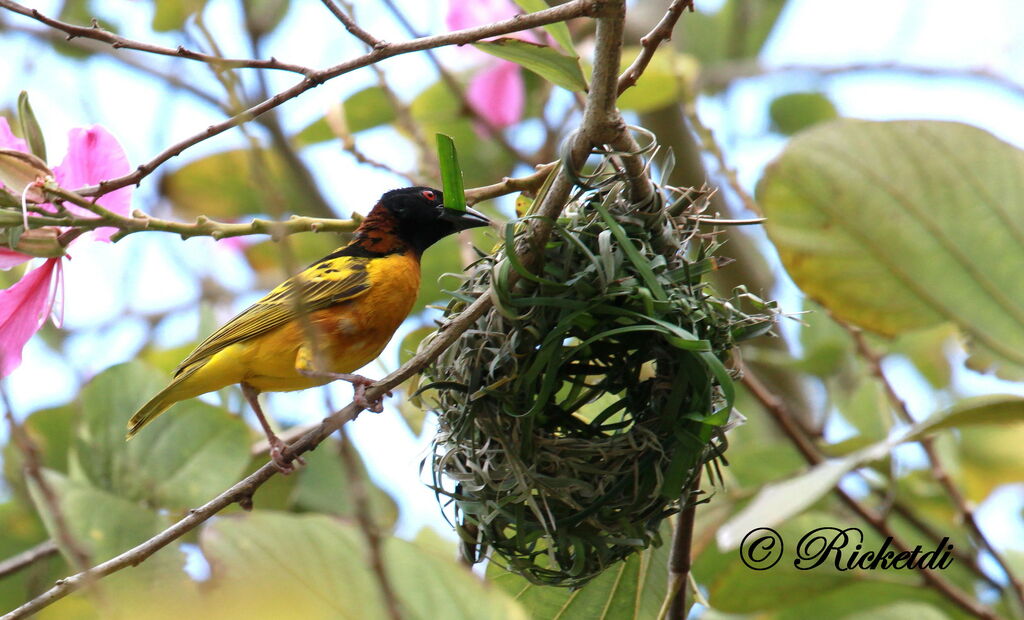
{"x":347,"y":337}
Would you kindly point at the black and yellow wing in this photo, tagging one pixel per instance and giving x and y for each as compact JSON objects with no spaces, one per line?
{"x":328,"y":283}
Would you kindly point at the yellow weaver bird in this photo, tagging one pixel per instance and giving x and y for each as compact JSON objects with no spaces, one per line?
{"x":352,"y":300}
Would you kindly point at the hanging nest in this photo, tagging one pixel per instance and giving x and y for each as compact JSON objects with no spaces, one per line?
{"x":575,"y":412}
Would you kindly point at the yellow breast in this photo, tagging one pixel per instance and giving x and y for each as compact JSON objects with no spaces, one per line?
{"x":348,"y":335}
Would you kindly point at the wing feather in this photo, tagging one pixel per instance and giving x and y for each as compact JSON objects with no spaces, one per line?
{"x":325,"y":284}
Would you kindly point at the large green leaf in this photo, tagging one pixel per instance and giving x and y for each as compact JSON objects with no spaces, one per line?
{"x":662,"y":82}
{"x":795,"y":112}
{"x":20,"y":529}
{"x":364,"y":109}
{"x":276,"y":565}
{"x":232,"y":184}
{"x":325,"y":485}
{"x":103,"y":526}
{"x":634,"y":588}
{"x":171,"y":14}
{"x":262,"y":16}
{"x":546,"y":62}
{"x":50,"y":431}
{"x":989,"y":456}
{"x":895,"y":226}
{"x":183,"y":458}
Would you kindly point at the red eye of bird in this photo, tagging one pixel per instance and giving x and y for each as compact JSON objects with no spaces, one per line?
{"x":429,"y":195}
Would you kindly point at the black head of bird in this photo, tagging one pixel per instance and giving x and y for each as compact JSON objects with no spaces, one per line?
{"x":420,"y":218}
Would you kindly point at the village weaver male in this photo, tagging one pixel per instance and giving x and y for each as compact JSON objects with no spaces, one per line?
{"x":325,"y":322}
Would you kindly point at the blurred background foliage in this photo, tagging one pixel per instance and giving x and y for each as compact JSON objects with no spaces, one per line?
{"x":910,"y":230}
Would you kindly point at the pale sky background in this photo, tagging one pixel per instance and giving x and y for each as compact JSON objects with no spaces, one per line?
{"x":103,"y":283}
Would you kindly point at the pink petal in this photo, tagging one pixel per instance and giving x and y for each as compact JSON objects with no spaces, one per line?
{"x":94,"y":155}
{"x":8,"y":140}
{"x":23,"y":309}
{"x":469,"y":13}
{"x":236,"y":244}
{"x":10,"y":258}
{"x":498,"y":94}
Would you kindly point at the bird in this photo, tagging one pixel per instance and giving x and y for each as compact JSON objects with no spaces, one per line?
{"x":325,"y":322}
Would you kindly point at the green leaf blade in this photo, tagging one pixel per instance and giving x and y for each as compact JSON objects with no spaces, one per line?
{"x":451,"y":173}
{"x":30,"y":127}
{"x":545,"y":61}
{"x":559,"y":31}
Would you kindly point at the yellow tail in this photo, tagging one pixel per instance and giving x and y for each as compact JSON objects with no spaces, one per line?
{"x":157,"y":405}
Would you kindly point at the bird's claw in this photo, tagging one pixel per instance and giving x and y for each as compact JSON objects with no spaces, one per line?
{"x":359,"y":385}
{"x":359,"y":397}
{"x":282,"y":464}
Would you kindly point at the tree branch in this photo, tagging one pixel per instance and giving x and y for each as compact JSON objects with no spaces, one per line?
{"x":118,"y":42}
{"x":939,"y":471}
{"x":352,"y":27}
{"x":576,"y":8}
{"x":206,"y":227}
{"x":78,"y":557}
{"x":649,"y":43}
{"x":785,"y":419}
{"x":27,"y":557}
{"x":720,"y":76}
{"x":680,"y":560}
{"x":94,"y":47}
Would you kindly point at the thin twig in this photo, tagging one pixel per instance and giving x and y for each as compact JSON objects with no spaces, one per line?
{"x":206,"y":227}
{"x":118,"y":42}
{"x":367,"y":525}
{"x":706,"y":138}
{"x":27,"y":557}
{"x":576,"y":8}
{"x":530,"y":183}
{"x":33,"y":472}
{"x":680,"y":560}
{"x":785,"y":419}
{"x":202,"y":227}
{"x":352,"y":27}
{"x":94,"y":47}
{"x":721,"y":75}
{"x":429,"y":165}
{"x":649,"y":43}
{"x":939,"y":471}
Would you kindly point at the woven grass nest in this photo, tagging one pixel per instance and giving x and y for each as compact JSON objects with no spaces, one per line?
{"x":573,"y":414}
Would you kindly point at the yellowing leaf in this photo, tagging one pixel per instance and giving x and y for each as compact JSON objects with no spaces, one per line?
{"x":234,"y":183}
{"x":661,"y":83}
{"x":895,"y":226}
{"x":19,"y":171}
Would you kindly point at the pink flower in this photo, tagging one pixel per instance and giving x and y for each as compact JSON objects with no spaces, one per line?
{"x":93,"y":155}
{"x":496,"y":93}
{"x":24,"y":308}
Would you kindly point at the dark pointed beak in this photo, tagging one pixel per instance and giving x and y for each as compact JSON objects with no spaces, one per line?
{"x":462,"y":220}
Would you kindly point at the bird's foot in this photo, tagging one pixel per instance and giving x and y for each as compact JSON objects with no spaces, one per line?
{"x":283,"y":465}
{"x":359,"y":385}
